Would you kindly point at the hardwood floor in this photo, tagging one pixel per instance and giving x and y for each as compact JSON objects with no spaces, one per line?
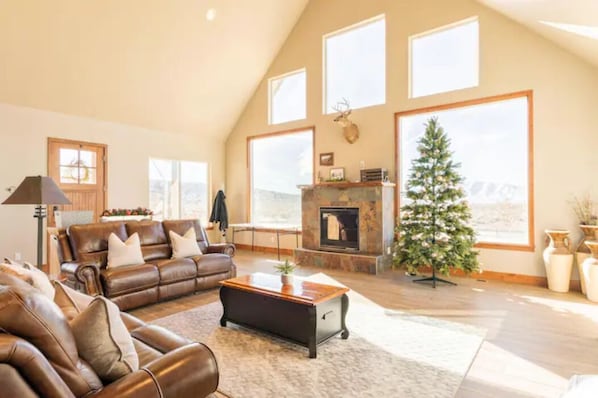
{"x":536,"y":339}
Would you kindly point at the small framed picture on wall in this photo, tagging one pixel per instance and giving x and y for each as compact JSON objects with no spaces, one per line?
{"x":327,"y":159}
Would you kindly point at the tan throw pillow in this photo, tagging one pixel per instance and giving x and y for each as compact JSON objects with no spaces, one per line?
{"x":104,"y":341}
{"x":186,"y":245}
{"x":70,"y":301}
{"x":124,"y":253}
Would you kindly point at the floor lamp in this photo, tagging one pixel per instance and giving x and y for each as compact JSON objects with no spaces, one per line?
{"x":38,"y":191}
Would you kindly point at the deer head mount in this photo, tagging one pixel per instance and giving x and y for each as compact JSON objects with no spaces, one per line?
{"x":350,"y":129}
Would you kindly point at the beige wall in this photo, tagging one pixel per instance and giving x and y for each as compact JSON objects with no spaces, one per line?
{"x":512,"y":59}
{"x":23,"y":139}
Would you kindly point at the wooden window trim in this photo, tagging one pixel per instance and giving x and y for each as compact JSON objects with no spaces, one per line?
{"x":268,"y":135}
{"x":530,"y":247}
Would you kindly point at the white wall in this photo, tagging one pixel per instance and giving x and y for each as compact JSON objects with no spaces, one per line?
{"x":23,"y":140}
{"x":512,"y":58}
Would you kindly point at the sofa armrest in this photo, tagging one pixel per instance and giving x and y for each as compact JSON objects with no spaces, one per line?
{"x":87,"y":274}
{"x":34,"y":369}
{"x":187,"y":372}
{"x":224,"y":248}
{"x":159,"y":338}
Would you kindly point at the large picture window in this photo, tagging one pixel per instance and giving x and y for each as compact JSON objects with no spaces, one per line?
{"x":277,"y":164}
{"x":355,"y":65}
{"x":492,"y":140}
{"x":178,"y":189}
{"x":444,"y":59}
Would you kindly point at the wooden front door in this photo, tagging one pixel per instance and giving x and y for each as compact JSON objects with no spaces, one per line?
{"x":79,"y":169}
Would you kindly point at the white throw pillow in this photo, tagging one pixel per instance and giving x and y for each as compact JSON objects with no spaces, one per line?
{"x":39,"y":279}
{"x":70,"y":301}
{"x":186,"y":245}
{"x":124,"y":253}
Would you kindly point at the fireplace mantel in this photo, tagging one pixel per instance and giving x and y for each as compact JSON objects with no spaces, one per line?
{"x":375,"y":201}
{"x":348,"y":184}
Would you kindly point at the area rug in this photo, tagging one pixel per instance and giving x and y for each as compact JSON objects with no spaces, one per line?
{"x":388,"y":354}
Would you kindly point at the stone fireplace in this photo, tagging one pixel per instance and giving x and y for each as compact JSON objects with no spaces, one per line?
{"x":347,"y":226}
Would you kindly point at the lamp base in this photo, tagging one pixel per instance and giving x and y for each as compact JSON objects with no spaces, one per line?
{"x":40,"y":214}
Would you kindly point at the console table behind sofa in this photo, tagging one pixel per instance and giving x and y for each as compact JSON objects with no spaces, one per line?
{"x":277,"y":229}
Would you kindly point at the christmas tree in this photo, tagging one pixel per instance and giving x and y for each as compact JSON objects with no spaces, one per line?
{"x":434,"y":226}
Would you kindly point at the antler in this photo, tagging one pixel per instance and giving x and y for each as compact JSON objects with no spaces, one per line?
{"x":342,"y":106}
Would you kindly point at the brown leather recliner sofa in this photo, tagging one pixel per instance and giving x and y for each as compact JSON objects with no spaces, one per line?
{"x":83,"y":253}
{"x":39,"y":356}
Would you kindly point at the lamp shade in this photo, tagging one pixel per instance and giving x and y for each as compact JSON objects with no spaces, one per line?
{"x":38,"y":190}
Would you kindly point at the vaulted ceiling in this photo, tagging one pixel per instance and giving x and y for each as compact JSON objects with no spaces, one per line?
{"x":159,"y":64}
{"x":162,"y":65}
{"x":572,"y":24}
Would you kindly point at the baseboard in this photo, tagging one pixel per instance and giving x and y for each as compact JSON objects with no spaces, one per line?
{"x":265,"y":249}
{"x":521,"y":279}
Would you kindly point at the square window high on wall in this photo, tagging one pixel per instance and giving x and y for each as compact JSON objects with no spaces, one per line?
{"x":287,"y":97}
{"x":355,"y":65}
{"x":178,"y":189}
{"x":278,"y":163}
{"x":491,"y":139}
{"x":444,"y":59}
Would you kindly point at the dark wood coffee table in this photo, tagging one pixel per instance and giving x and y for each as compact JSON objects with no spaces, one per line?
{"x":305,"y":313}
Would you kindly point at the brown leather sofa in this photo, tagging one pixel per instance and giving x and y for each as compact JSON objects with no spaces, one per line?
{"x":83,"y":253}
{"x":39,"y":357}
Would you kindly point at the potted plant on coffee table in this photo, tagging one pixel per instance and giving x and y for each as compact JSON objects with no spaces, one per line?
{"x":286,"y":271}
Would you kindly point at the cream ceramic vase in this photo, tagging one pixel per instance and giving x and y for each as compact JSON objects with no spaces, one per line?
{"x":286,"y":279}
{"x":558,"y":261}
{"x":583,"y":251}
{"x":590,"y":271}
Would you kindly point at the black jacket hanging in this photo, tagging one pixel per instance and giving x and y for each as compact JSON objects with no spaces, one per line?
{"x":219,"y":213}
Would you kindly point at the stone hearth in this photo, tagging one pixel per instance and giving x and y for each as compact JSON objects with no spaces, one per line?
{"x":375,"y":201}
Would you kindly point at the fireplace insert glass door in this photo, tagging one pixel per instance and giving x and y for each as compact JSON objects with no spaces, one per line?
{"x":339,"y":228}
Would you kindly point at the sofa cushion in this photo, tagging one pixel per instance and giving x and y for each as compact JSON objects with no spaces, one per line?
{"x":213,"y":263}
{"x":176,"y":269}
{"x":89,"y":242}
{"x":104,"y":341}
{"x":128,"y":279}
{"x":156,"y":252}
{"x":150,"y":232}
{"x":28,"y":314}
{"x":124,"y":253}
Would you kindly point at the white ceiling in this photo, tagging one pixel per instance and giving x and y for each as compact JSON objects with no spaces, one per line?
{"x":580,"y":13}
{"x":157,"y":64}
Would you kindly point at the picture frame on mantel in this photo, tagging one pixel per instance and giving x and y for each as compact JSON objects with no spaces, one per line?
{"x":327,"y":159}
{"x":337,"y":174}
